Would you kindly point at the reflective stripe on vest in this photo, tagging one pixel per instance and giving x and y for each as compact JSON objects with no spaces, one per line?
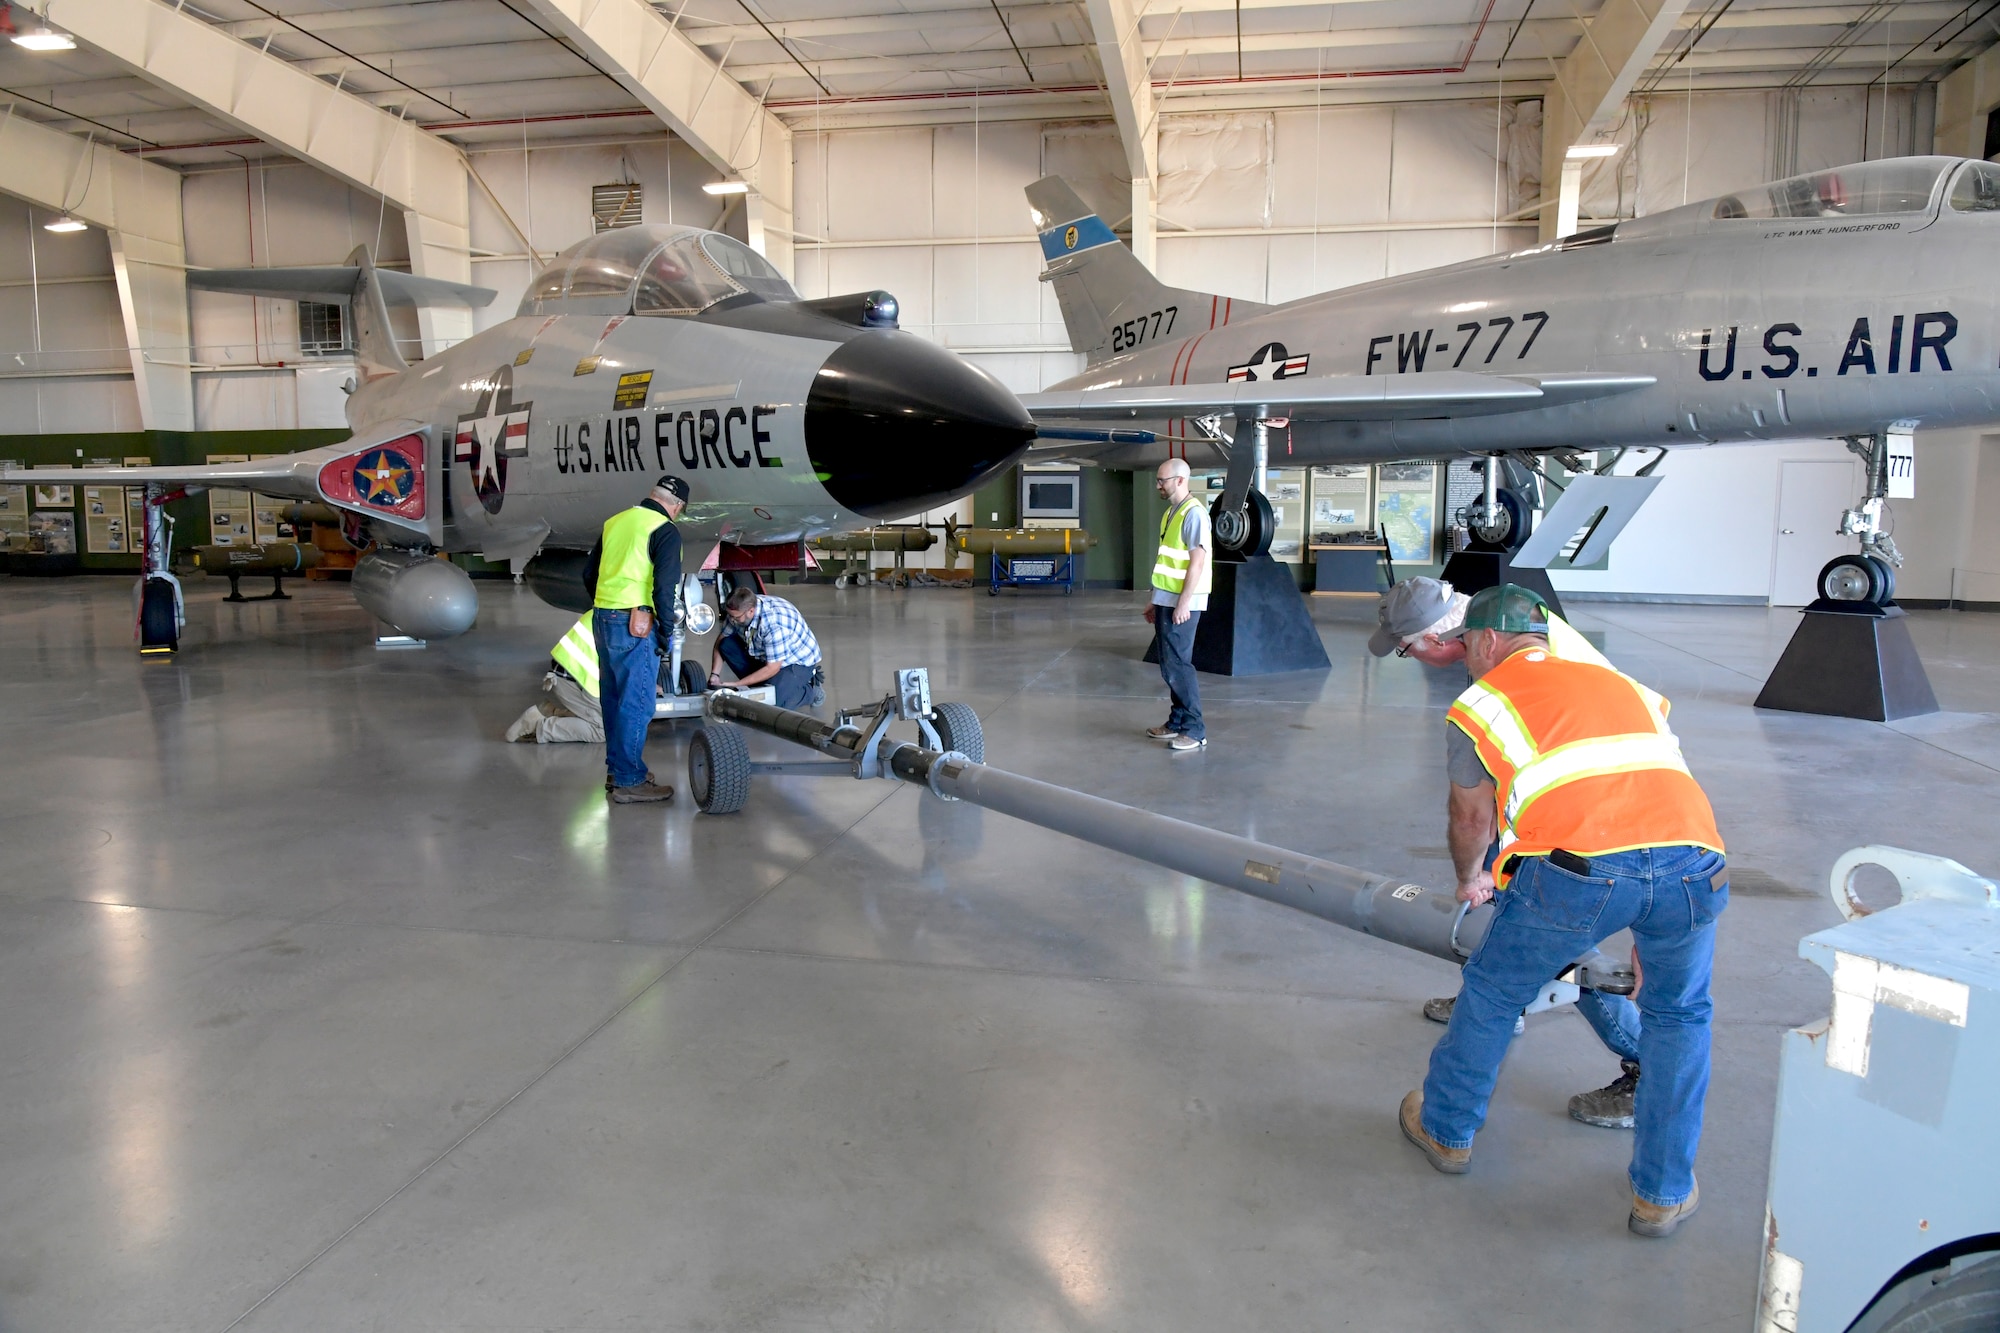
{"x":576,"y":653}
{"x":625,"y":570}
{"x":1170,"y":566}
{"x":1570,"y":766}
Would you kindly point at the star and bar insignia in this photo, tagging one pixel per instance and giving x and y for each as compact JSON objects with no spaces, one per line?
{"x":1270,"y":362}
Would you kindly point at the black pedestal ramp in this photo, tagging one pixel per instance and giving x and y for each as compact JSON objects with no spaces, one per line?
{"x":1849,"y":661}
{"x":1256,"y":624}
{"x":1471,"y":571}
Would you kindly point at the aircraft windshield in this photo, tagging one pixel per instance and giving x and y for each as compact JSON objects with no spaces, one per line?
{"x":653,"y":270}
{"x":1903,"y":185}
{"x":1978,"y":189}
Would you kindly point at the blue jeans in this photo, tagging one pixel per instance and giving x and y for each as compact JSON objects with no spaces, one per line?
{"x":1175,"y":645}
{"x":628,"y":681}
{"x":793,"y":684}
{"x":1547,"y":918}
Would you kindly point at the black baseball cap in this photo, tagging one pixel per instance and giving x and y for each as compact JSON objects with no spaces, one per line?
{"x":674,"y":486}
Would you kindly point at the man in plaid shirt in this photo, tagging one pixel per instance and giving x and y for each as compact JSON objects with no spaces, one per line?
{"x":765,"y":639}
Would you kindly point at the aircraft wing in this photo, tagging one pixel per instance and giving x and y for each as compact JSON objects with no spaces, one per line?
{"x":1436,"y":395}
{"x":381,"y":474}
{"x":336,"y":284}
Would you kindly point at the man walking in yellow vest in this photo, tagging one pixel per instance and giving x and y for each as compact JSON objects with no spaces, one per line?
{"x":1601,"y":828}
{"x":634,"y":573}
{"x":1181,"y":573}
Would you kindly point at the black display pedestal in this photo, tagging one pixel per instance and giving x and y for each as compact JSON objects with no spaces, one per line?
{"x":1850,"y":661}
{"x":1256,"y":624}
{"x":1470,"y":571}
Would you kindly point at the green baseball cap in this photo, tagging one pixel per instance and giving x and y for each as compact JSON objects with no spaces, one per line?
{"x":1509,"y":608}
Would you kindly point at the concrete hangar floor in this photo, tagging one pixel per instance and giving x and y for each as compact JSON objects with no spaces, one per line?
{"x":324,"y":1008}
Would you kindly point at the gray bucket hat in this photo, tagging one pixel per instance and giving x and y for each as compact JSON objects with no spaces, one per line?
{"x":1411,"y":607}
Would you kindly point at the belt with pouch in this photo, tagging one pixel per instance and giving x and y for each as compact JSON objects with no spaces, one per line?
{"x":1579,"y":865}
{"x":1560,"y":859}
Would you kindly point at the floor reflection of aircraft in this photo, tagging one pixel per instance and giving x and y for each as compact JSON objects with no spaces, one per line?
{"x":643,"y":350}
{"x":1830,"y":305}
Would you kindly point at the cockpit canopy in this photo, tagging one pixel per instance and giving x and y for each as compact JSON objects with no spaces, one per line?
{"x":652,"y":270}
{"x":1866,"y":189}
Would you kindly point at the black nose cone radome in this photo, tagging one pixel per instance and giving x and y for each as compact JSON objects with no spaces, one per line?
{"x":895,"y":424}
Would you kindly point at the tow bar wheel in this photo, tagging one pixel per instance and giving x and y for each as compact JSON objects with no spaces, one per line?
{"x":719,"y":768}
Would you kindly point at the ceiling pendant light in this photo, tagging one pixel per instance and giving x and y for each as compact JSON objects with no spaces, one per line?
{"x":42,"y":37}
{"x":65,"y":223}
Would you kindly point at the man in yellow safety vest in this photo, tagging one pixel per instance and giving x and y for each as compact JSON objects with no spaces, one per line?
{"x":1181,"y":576}
{"x":634,"y":574}
{"x":570,"y":712}
{"x":1416,"y":619}
{"x":1601,"y":829}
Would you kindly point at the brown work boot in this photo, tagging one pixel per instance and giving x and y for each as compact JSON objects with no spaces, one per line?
{"x":650,"y":779}
{"x":645,"y":791}
{"x":1438,"y":1010}
{"x":1609,"y":1107}
{"x":1654,"y":1219}
{"x":1451,"y":1161}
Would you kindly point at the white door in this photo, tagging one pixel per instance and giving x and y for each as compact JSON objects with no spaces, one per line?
{"x":1811,"y":497}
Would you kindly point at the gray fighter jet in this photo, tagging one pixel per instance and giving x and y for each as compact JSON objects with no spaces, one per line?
{"x":1845,"y":303}
{"x":643,"y":350}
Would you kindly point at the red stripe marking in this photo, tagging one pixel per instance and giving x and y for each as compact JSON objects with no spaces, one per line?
{"x":1227,"y":306}
{"x":1211,"y":310}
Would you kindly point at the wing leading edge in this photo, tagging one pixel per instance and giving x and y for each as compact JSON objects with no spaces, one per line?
{"x":1432,"y":396}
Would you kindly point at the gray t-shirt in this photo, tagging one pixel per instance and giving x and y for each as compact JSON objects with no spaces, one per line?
{"x":1191,"y":534}
{"x":1461,"y":758}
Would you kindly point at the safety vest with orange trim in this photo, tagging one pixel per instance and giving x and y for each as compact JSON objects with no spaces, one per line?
{"x":1582,"y":760}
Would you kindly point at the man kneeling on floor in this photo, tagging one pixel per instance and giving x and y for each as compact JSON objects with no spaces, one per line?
{"x":1602,"y":828}
{"x":570,"y":710}
{"x":765,"y":639}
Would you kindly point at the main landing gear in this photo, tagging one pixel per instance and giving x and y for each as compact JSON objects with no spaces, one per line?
{"x":1869,"y":577}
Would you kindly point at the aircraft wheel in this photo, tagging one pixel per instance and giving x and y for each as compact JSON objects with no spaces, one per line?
{"x":159,"y":624}
{"x":693,"y":679}
{"x":1947,"y":1297}
{"x":958,"y":729}
{"x":719,"y":768}
{"x":1857,"y":578}
{"x":1510,"y":532}
{"x":1242,"y":533}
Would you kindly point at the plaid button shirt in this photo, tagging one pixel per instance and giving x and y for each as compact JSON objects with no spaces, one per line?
{"x":777,"y":633}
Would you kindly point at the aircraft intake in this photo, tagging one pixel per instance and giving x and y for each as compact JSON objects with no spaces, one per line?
{"x":895,"y":424}
{"x":422,"y":596}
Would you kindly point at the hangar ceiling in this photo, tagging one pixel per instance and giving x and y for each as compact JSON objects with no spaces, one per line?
{"x":496,"y":70}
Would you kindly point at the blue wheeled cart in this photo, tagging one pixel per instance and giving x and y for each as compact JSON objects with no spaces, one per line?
{"x":1033,"y":571}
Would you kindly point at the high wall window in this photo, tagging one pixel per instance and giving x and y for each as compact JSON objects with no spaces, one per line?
{"x":322,"y":329}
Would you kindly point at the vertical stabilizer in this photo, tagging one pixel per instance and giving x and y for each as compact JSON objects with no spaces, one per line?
{"x":374,"y":339}
{"x":1110,"y":303}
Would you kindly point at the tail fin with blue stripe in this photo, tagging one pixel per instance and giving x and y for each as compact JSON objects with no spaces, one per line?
{"x":1111,"y":304}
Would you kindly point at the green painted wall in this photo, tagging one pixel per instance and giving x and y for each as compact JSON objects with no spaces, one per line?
{"x":162,"y":447}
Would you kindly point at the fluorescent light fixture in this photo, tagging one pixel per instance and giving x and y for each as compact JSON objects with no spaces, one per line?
{"x":42,"y":37}
{"x":65,"y":223}
{"x":1577,"y":150}
{"x":726,"y":187}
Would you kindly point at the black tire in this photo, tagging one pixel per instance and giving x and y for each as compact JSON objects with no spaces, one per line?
{"x":693,"y":679}
{"x":958,"y":729}
{"x":1887,"y":573}
{"x":159,"y":626}
{"x":719,"y":768}
{"x":1856,"y":579}
{"x":1516,"y":521}
{"x":1246,"y":532}
{"x":1940,"y":1301}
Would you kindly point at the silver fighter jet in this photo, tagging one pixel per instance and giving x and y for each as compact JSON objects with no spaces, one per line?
{"x":640,"y":351}
{"x":1839,"y":304}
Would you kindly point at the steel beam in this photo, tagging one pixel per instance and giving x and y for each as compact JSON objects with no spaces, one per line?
{"x":387,"y":155}
{"x":677,"y":81}
{"x":1128,"y":81}
{"x":1587,"y":94}
{"x":138,"y":204}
